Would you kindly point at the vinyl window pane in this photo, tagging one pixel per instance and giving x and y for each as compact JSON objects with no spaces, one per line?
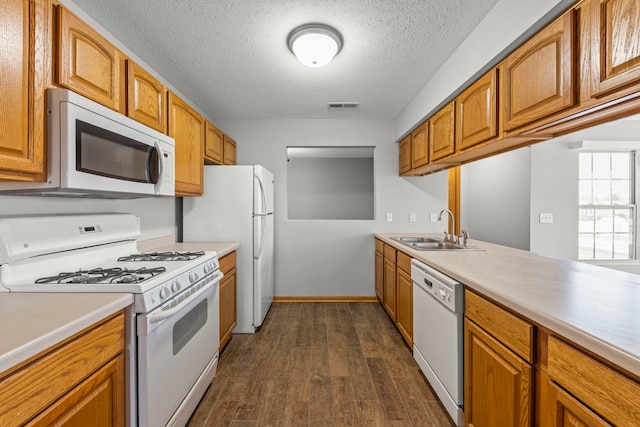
{"x":585,"y":192}
{"x":601,"y":165}
{"x":620,"y":165}
{"x":622,"y":246}
{"x":584,"y":169}
{"x":585,"y":245}
{"x":586,"y":221}
{"x":601,"y":192}
{"x":621,"y":192}
{"x":604,"y":221}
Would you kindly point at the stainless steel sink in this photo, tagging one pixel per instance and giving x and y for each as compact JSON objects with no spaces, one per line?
{"x":431,"y":244}
{"x":415,"y":239}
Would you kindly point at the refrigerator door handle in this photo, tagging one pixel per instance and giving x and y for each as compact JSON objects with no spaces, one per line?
{"x":261,"y":216}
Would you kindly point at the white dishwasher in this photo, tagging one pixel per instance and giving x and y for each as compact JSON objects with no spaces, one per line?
{"x":438,"y":316}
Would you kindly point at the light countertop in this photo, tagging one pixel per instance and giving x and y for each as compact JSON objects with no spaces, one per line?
{"x":33,"y":322}
{"x":595,"y":307}
{"x":221,"y":248}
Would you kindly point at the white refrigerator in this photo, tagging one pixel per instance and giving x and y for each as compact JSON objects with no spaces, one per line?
{"x":237,"y":206}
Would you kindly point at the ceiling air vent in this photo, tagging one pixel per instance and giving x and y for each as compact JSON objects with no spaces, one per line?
{"x":343,"y":105}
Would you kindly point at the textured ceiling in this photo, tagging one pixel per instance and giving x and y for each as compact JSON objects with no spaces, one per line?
{"x":230,"y":57}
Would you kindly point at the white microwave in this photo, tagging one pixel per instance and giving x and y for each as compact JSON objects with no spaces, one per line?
{"x":94,"y":151}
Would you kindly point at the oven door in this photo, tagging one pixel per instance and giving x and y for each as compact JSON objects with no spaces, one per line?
{"x":177,"y":355}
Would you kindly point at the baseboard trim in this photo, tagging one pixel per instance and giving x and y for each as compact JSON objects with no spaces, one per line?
{"x":325,"y":299}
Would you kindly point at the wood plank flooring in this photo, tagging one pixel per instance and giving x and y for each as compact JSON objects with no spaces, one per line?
{"x":320,"y":364}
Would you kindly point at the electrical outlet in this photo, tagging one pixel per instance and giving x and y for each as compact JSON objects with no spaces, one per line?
{"x":389,"y":217}
{"x":412,"y":217}
{"x":433,"y":217}
{"x":546,"y":218}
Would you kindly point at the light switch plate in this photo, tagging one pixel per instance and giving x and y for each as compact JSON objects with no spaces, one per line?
{"x":389,"y":217}
{"x":433,"y":217}
{"x":412,"y":217}
{"x":546,"y":218}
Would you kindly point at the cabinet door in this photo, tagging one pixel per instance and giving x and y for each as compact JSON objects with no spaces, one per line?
{"x":379,"y":276}
{"x":229,"y":151}
{"x":477,"y":112}
{"x":405,"y":155}
{"x":571,"y":413}
{"x":22,"y":101}
{"x":419,"y":150}
{"x":214,"y":145}
{"x":441,"y":133}
{"x":186,"y":126}
{"x":146,"y":98}
{"x":498,"y":388}
{"x":390,"y":288}
{"x":615,"y":48}
{"x":404,"y":318}
{"x":538,"y":77}
{"x":99,"y":401}
{"x":228,"y":298}
{"x":87,"y":63}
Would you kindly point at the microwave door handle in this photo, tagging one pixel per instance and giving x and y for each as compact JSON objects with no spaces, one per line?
{"x":158,"y":185}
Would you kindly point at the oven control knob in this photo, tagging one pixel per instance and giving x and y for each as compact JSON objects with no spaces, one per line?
{"x":193,"y":276}
{"x":207,"y":268}
{"x":164,"y":292}
{"x":175,"y":286}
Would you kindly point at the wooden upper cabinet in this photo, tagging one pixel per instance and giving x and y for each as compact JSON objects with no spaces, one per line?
{"x":146,"y":98}
{"x":187,"y":127}
{"x":419,"y":148}
{"x":214,"y":145}
{"x":615,"y":34}
{"x":441,"y":133}
{"x":477,"y":112}
{"x":23,"y":71}
{"x":88,"y":64}
{"x":229,"y":151}
{"x":405,"y":154}
{"x":538,"y":78}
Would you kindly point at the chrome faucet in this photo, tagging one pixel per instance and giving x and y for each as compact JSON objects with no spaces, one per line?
{"x":450,"y":237}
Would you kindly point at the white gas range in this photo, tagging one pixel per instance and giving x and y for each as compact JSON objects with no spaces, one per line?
{"x":173,"y":327}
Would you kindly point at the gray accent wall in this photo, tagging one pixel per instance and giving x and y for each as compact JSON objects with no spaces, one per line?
{"x":336,"y":257}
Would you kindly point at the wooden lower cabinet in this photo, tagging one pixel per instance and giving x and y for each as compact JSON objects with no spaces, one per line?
{"x":80,"y":382}
{"x":394,"y":287}
{"x":498,"y":383}
{"x":404,"y":305}
{"x":504,"y":378}
{"x":389,"y":301}
{"x":379,"y":275}
{"x":228,"y":298}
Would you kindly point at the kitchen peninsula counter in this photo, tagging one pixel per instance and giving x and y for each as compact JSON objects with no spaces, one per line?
{"x":33,"y":322}
{"x":595,"y":307}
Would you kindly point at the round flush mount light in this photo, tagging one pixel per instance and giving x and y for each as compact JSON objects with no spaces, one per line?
{"x":314,"y":44}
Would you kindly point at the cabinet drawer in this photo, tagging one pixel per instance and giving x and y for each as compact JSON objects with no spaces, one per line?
{"x":404,"y":262}
{"x":390,"y":252}
{"x":227,"y":262}
{"x":514,"y":332}
{"x":379,"y":245}
{"x":45,"y":379}
{"x":610,"y":394}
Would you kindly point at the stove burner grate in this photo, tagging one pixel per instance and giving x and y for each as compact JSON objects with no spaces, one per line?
{"x":162,"y":256}
{"x":104,"y":275}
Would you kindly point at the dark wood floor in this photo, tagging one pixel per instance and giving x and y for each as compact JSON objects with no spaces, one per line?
{"x":320,"y":364}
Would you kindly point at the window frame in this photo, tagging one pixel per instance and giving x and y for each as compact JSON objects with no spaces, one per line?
{"x":633,"y":198}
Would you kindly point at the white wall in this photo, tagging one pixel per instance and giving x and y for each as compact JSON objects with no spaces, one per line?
{"x":508,"y":21}
{"x":336,"y":257}
{"x":554,"y":189}
{"x":494,"y":200}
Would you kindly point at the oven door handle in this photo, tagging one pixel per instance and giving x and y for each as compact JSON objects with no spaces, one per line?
{"x":161,"y":315}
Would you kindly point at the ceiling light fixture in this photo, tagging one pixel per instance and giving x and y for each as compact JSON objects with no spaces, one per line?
{"x":314,"y":44}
